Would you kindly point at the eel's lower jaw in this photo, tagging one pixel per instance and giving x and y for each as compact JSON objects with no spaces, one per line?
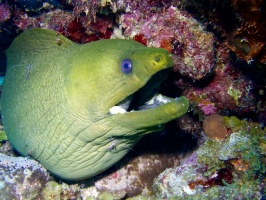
{"x":155,"y":101}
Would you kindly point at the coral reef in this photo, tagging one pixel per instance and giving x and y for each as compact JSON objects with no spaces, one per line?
{"x":189,"y":124}
{"x":248,"y":40}
{"x":220,"y":169}
{"x":241,"y":22}
{"x":136,"y":177}
{"x":21,"y":178}
{"x":24,"y":178}
{"x":192,"y":47}
{"x":53,"y":190}
{"x":213,"y":127}
{"x":227,"y":90}
{"x":37,"y":5}
{"x":4,"y":12}
{"x":5,"y":146}
{"x":81,"y":29}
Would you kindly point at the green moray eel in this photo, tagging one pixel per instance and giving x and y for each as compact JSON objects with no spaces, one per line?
{"x":64,"y":104}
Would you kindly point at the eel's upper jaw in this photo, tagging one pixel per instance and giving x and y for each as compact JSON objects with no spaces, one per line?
{"x":155,"y":101}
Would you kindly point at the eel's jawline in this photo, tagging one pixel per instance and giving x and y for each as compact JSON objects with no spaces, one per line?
{"x":155,"y":101}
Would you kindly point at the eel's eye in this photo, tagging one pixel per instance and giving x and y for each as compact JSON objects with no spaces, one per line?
{"x":126,"y":66}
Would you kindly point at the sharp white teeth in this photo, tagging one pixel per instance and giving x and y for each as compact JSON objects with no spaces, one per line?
{"x":162,"y":99}
{"x":117,"y":110}
{"x":157,"y":100}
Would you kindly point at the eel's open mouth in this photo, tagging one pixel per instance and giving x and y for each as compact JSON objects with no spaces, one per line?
{"x":124,"y":105}
{"x":145,"y":98}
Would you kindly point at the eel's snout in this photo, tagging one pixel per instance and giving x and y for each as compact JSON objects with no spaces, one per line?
{"x":162,"y":59}
{"x":157,"y":58}
{"x":164,"y":55}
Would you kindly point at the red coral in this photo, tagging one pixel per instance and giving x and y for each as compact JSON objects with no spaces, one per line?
{"x":80,"y":30}
{"x":78,"y":33}
{"x":141,"y":39}
{"x":74,"y":31}
{"x":224,"y":174}
{"x":166,"y":44}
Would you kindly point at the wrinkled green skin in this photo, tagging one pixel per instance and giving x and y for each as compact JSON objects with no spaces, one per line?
{"x":56,"y":100}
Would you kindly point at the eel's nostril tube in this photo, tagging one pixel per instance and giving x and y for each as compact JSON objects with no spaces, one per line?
{"x":157,"y":58}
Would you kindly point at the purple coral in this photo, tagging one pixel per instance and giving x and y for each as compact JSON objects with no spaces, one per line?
{"x":229,"y":90}
{"x":21,"y":178}
{"x":80,"y":30}
{"x":4,"y":12}
{"x":179,"y":33}
{"x":207,"y":108}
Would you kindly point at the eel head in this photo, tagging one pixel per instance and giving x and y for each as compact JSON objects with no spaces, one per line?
{"x":121,"y":90}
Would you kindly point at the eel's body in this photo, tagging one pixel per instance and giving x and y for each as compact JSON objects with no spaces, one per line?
{"x":58,"y":100}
